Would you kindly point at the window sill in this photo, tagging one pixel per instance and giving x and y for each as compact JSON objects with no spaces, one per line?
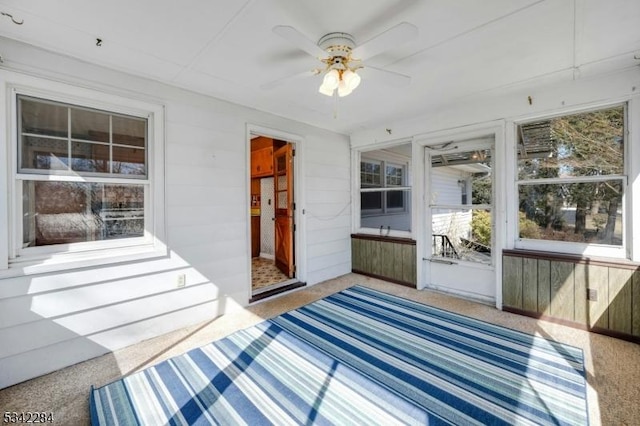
{"x":573,"y":258}
{"x":391,"y":239}
{"x":575,"y":249}
{"x":379,"y":213}
{"x":70,"y":261}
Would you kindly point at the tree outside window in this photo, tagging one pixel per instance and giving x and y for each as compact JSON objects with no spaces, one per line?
{"x":571,"y":177}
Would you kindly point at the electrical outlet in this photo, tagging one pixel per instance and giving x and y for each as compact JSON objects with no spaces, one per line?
{"x":592,"y":294}
{"x":182,"y":280}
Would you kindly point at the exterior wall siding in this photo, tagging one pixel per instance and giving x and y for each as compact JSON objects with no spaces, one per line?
{"x":52,"y":320}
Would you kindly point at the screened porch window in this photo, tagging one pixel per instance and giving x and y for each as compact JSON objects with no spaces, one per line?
{"x":385,"y":192}
{"x":571,"y":180}
{"x":379,"y":200}
{"x":82,"y":173}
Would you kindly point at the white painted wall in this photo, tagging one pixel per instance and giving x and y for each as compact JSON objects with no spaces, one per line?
{"x":552,"y":95}
{"x":52,"y":320}
{"x":446,"y":190}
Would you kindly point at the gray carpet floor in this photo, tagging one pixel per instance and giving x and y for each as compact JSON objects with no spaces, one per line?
{"x":612,"y":365}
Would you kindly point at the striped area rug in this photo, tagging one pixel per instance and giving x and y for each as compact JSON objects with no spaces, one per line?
{"x":358,"y":357}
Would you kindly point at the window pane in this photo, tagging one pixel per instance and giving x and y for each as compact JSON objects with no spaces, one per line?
{"x":386,"y":210}
{"x":69,"y":212}
{"x":128,"y":161}
{"x":44,"y":153}
{"x":451,"y":175}
{"x":394,"y":176}
{"x":395,"y":199}
{"x":89,"y":125}
{"x":89,"y":157}
{"x":370,"y":175}
{"x":463,"y":234}
{"x":371,"y":200}
{"x":394,"y":219}
{"x":587,"y":144}
{"x":43,"y":118}
{"x":94,"y":147}
{"x":481,"y":188}
{"x":129,"y":131}
{"x":578,"y":212}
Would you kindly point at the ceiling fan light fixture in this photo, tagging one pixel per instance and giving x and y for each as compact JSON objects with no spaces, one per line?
{"x":351,"y":79}
{"x":331,"y":79}
{"x":344,"y":89}
{"x":325,"y":90}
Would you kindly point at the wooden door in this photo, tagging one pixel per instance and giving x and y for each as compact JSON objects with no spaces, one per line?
{"x":284,"y":225}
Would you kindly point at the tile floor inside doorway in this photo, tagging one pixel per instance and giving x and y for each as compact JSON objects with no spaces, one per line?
{"x":264,"y":273}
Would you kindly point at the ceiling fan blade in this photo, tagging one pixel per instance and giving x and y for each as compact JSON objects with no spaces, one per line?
{"x":279,"y":82}
{"x":390,"y":78}
{"x":299,"y":40}
{"x":393,"y":37}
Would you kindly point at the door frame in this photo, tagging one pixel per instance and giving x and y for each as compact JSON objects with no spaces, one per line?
{"x":495,"y":129}
{"x":299,"y":234}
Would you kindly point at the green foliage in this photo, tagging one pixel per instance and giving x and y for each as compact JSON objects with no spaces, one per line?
{"x":528,"y":228}
{"x":482,"y":190}
{"x":481,"y":227}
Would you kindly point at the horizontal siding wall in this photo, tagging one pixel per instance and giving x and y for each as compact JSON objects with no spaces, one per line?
{"x":328,"y":209}
{"x":49,"y":321}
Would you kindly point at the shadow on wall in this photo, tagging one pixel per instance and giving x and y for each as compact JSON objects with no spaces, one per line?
{"x":56,"y":320}
{"x":600,"y":297}
{"x":64,"y":318}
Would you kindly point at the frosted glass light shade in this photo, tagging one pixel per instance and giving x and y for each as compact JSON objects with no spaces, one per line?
{"x":325,"y":91}
{"x":343,"y":89}
{"x":331,"y":79}
{"x":351,"y":79}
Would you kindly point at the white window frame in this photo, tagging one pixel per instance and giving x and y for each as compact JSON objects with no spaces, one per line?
{"x":24,"y":261}
{"x":584,"y":249}
{"x":385,"y":189}
{"x":367,"y":155}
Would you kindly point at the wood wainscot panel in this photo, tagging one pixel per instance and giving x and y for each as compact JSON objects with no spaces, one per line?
{"x":620,"y":300}
{"x":580,"y":296}
{"x":374,"y":255}
{"x":529,"y":285}
{"x":512,"y":282}
{"x":598,"y":281}
{"x":388,"y":258}
{"x":600,"y":295}
{"x":544,"y":286}
{"x":562,"y":290}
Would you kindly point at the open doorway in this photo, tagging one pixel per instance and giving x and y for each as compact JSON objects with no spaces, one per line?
{"x":273,"y":236}
{"x":460,"y":220}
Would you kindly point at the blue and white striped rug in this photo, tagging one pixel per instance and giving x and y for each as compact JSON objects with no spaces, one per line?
{"x":357,"y":357}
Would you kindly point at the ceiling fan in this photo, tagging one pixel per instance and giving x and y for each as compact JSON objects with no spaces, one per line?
{"x":342,"y":57}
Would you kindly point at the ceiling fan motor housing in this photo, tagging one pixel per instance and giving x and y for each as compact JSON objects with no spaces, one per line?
{"x":337,"y":45}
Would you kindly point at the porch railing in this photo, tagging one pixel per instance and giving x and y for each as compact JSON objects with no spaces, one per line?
{"x":442,"y":247}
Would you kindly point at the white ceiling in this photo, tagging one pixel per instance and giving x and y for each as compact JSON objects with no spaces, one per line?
{"x":226,"y":49}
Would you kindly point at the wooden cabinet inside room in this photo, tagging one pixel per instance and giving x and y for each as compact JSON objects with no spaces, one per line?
{"x":261,"y":157}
